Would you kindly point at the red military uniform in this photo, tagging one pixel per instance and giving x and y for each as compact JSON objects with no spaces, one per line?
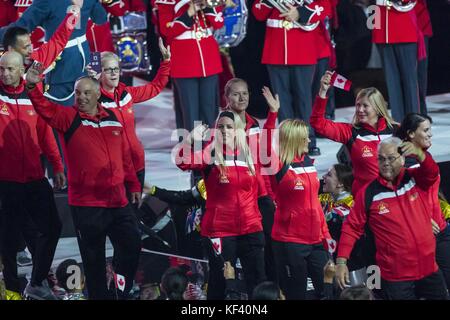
{"x":286,"y":44}
{"x":398,"y":215}
{"x":395,"y":26}
{"x":423,"y":18}
{"x":23,"y":134}
{"x":121,"y":102}
{"x":98,"y":161}
{"x":195,"y":52}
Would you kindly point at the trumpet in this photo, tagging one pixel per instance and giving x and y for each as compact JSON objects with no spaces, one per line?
{"x":283,"y":8}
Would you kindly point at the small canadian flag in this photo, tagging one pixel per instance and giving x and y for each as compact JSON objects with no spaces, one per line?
{"x":119,"y":281}
{"x":340,"y":82}
{"x":331,"y":244}
{"x":217,"y":245}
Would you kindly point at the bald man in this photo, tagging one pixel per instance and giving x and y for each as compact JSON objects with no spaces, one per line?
{"x":26,"y":194}
{"x":99,"y":166}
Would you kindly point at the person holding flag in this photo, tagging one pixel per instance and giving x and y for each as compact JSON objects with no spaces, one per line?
{"x":300,"y":232}
{"x":371,"y":124}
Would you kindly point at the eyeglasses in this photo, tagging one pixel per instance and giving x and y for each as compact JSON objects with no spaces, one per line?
{"x":111,"y":70}
{"x":389,"y":159}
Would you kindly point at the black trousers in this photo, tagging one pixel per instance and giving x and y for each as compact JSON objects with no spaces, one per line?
{"x":293,"y":84}
{"x":322,"y":66}
{"x":28,"y":210}
{"x":431,"y":288}
{"x":294,"y":263}
{"x":199,"y":99}
{"x":443,"y":254}
{"x":249,"y":249}
{"x":400,"y":70}
{"x":422,"y":77}
{"x":92,"y":225}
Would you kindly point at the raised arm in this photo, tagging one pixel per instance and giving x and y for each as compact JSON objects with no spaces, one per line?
{"x":262,"y":9}
{"x":47,"y":53}
{"x":57,"y":116}
{"x":214,"y":16}
{"x":153,"y":88}
{"x":339,"y":132}
{"x":427,"y":173}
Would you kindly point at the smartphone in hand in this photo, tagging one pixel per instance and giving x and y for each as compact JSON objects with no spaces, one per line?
{"x":96,"y":63}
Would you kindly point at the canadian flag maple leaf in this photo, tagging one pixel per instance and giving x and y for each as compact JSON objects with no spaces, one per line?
{"x":340,"y":82}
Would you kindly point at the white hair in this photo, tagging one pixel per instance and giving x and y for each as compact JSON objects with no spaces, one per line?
{"x":392,"y":141}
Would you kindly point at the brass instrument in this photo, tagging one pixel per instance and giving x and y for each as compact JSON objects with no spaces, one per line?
{"x":283,"y":8}
{"x":404,"y":7}
{"x":398,"y":5}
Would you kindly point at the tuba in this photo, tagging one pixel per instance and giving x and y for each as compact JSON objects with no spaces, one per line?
{"x":404,"y":7}
{"x":398,"y":5}
{"x":281,"y":6}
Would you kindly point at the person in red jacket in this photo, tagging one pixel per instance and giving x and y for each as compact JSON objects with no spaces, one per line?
{"x":231,"y":223}
{"x":120,"y":98}
{"x":291,"y":54}
{"x":398,"y":41}
{"x":237,"y":97}
{"x":426,"y":30}
{"x":371,"y":124}
{"x":99,"y":165}
{"x":26,"y":194}
{"x":417,"y":129}
{"x":394,"y":206}
{"x":187,"y":26}
{"x":299,"y":229}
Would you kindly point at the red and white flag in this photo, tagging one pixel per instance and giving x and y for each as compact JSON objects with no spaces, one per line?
{"x":217,"y":245}
{"x":119,"y":281}
{"x":331,"y":245}
{"x":340,"y":82}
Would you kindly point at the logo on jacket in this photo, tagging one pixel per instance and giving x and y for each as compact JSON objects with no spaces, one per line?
{"x":299,"y":185}
{"x":116,"y":132}
{"x":367,"y":152}
{"x":413,"y":196}
{"x":383,"y":208}
{"x":223,"y":179}
{"x":31,"y":112}
{"x":4,"y":110}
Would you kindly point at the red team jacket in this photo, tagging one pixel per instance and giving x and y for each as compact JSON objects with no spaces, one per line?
{"x":289,"y":46}
{"x":299,"y":216}
{"x":433,"y":196}
{"x":23,"y":135}
{"x":361,"y":142}
{"x":98,"y":162}
{"x":232,"y":202}
{"x":191,"y":57}
{"x":121,"y":102}
{"x":399,"y":219}
{"x":47,"y":53}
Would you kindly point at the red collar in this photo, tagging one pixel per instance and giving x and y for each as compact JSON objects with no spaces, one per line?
{"x":381,"y":125}
{"x":392,"y":185}
{"x":100,"y":114}
{"x":14,"y":90}
{"x":249,"y":121}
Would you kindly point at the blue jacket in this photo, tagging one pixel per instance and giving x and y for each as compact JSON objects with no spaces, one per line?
{"x":49,"y":14}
